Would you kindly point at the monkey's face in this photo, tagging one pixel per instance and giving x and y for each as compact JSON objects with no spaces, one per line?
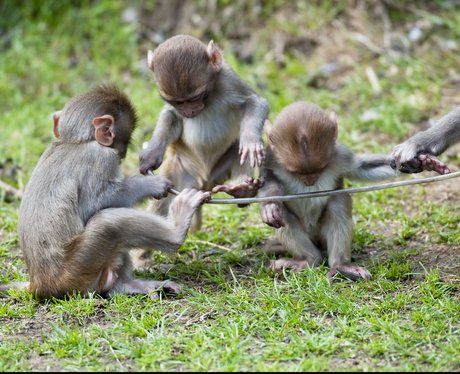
{"x":304,"y":159}
{"x":190,"y":106}
{"x":187,"y":90}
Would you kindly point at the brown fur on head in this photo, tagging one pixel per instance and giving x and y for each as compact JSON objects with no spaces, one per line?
{"x":76,"y":122}
{"x":303,"y":138}
{"x":185,"y":69}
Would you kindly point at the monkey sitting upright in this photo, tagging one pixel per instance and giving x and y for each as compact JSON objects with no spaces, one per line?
{"x":76,"y":224}
{"x":304,"y":155}
{"x":210,"y":126}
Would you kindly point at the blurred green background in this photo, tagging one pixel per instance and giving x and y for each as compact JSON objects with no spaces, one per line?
{"x":326,"y":52}
{"x":388,"y":68}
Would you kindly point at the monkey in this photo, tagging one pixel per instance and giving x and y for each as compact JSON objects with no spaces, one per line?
{"x":303,"y":155}
{"x":210,"y":128}
{"x":76,"y":220}
{"x":418,"y":152}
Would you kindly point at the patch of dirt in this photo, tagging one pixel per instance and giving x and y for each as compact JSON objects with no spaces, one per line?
{"x":426,"y":254}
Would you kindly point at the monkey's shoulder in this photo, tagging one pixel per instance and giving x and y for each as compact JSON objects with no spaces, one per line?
{"x":233,"y":89}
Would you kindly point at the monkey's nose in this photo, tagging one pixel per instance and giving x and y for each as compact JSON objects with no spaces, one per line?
{"x":310,"y":179}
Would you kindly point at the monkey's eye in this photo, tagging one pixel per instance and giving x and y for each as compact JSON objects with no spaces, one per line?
{"x":175,"y":102}
{"x":202,"y":96}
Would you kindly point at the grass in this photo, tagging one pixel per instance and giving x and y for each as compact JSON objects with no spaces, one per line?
{"x":234,"y":314}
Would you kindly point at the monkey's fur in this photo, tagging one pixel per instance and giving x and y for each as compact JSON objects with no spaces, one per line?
{"x":76,"y":224}
{"x":210,"y":128}
{"x":418,"y":152}
{"x":303,"y":155}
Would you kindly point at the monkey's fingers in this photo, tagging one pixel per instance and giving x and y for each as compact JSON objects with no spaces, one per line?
{"x":404,"y":152}
{"x":252,"y":156}
{"x":412,"y":166}
{"x":220,"y":188}
{"x":171,"y":287}
{"x":206,"y":196}
{"x":260,"y":155}
{"x":431,"y":162}
{"x":272,"y":215}
{"x":287,"y":263}
{"x":243,"y":152}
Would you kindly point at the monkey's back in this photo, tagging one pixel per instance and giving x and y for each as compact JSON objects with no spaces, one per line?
{"x":52,"y":210}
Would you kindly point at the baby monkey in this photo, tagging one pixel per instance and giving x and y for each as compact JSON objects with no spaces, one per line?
{"x":211,"y":124}
{"x":304,"y":155}
{"x":210,"y":128}
{"x":76,"y":221}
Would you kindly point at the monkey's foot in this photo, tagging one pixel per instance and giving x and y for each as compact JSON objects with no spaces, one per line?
{"x":274,"y":247}
{"x":248,"y":188}
{"x":288,"y":263}
{"x":187,"y":202}
{"x":141,"y":259}
{"x":350,"y":271}
{"x":147,"y":287}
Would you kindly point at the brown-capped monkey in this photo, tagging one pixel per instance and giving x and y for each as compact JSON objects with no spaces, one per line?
{"x":211,"y":125}
{"x":303,"y":155}
{"x":76,"y":221}
{"x":418,"y":152}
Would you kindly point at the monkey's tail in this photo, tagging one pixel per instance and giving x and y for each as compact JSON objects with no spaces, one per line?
{"x":5,"y":287}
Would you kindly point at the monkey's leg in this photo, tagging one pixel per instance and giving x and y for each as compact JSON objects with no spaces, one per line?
{"x":337,"y":231}
{"x":172,"y":169}
{"x":95,"y":261}
{"x":126,"y":284}
{"x":298,"y":244}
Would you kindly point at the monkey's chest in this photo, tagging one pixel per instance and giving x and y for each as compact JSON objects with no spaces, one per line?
{"x":208,"y":137}
{"x":309,"y":210}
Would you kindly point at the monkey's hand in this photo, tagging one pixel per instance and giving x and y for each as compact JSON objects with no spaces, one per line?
{"x":272,"y":214}
{"x":423,"y":161}
{"x":404,"y":153}
{"x":430,"y":162}
{"x":159,"y":186}
{"x":252,"y":149}
{"x":150,"y":159}
{"x":186,"y":203}
{"x":248,"y":188}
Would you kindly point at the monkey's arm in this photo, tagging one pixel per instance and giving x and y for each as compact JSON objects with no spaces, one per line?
{"x":365,"y":167}
{"x":167,"y":130}
{"x":134,"y":189}
{"x":407,"y":156}
{"x":271,"y":212}
{"x":251,"y":144}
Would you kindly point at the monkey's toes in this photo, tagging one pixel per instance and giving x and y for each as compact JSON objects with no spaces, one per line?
{"x":285,"y":263}
{"x":351,"y":272}
{"x":171,"y":287}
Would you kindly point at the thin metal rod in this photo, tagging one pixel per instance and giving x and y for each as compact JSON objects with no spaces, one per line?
{"x":249,"y":200}
{"x":306,"y":195}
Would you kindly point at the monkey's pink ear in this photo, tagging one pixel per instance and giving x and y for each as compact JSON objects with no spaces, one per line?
{"x":268,"y":129}
{"x":333,"y":117}
{"x":150,"y":59}
{"x":215,"y":57}
{"x":104,"y":133}
{"x":56,"y":117}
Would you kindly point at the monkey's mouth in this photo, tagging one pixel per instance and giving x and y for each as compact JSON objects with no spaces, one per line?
{"x":188,"y":115}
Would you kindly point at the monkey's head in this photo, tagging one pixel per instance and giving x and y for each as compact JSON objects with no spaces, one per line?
{"x":104,"y":114}
{"x":185,"y":70}
{"x":302,"y":139}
